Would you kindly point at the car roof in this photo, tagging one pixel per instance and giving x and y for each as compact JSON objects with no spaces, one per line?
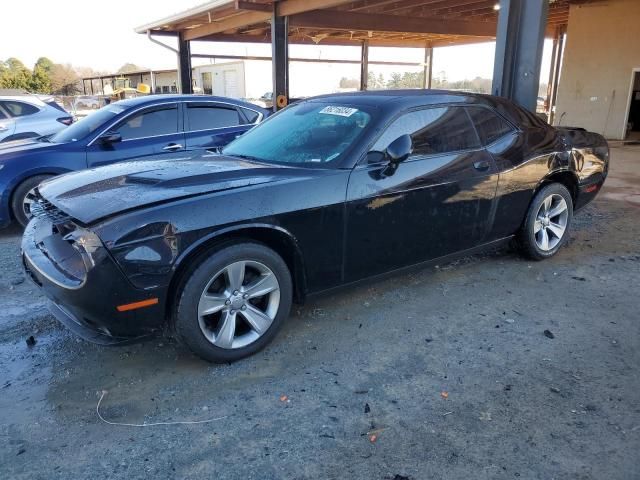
{"x":406,"y":97}
{"x":150,"y":99}
{"x":32,"y":99}
{"x":393,"y":101}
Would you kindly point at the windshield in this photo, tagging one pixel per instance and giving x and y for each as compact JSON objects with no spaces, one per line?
{"x":303,"y":133}
{"x":86,"y":126}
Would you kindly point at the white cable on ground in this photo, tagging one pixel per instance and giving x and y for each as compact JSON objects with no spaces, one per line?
{"x":104,"y":392}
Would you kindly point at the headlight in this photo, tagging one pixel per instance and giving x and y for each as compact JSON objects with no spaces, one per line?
{"x":88,"y":244}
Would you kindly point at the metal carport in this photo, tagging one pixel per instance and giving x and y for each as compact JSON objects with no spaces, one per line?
{"x":518,"y":26}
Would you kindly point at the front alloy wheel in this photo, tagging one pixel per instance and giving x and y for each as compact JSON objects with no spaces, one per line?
{"x":233,"y":301}
{"x":239,"y":304}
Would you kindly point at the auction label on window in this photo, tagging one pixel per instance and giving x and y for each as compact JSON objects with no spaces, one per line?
{"x":341,"y":111}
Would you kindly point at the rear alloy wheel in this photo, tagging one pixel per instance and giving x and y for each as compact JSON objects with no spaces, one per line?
{"x":24,"y":196}
{"x":233,"y":304}
{"x":547,"y":224}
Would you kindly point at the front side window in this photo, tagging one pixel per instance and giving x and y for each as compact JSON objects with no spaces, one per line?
{"x":150,"y":123}
{"x":19,"y":109}
{"x":433,"y":131}
{"x":203,"y":117}
{"x":490,"y":126}
{"x":313,"y":132}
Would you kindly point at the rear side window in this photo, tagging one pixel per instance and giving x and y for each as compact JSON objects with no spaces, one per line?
{"x":202,"y":117}
{"x":521,"y":116}
{"x":489,"y":124}
{"x":160,"y":121}
{"x":19,"y":109}
{"x":252,"y":115}
{"x":433,"y":131}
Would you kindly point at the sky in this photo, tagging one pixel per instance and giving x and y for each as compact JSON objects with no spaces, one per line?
{"x":100,"y":35}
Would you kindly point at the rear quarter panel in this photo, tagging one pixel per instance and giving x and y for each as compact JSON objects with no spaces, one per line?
{"x":589,"y":160}
{"x":523,"y":159}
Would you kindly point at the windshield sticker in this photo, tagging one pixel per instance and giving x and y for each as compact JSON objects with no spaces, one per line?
{"x":340,"y":111}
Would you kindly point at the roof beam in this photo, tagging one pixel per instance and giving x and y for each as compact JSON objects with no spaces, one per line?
{"x":347,"y":41}
{"x":284,"y":8}
{"x":292,"y":7}
{"x":258,"y":7}
{"x":225,"y":24}
{"x":390,"y":23}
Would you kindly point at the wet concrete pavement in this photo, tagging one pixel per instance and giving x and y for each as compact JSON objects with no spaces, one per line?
{"x":443,"y":373}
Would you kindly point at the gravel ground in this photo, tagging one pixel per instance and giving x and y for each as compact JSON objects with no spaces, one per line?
{"x":490,"y":367}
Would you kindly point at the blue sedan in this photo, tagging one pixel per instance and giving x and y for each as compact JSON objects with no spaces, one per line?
{"x":152,"y":126}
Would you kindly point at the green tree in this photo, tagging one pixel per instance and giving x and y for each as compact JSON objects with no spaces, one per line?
{"x":405,"y":80}
{"x":349,"y":82}
{"x":15,"y":75}
{"x":395,"y":81}
{"x":41,"y":76}
{"x":375,"y":82}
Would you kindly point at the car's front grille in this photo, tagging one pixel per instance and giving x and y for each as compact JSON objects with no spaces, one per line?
{"x":44,"y":208}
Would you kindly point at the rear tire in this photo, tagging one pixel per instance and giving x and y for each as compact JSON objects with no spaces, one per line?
{"x":547,"y":224}
{"x":234,"y":302}
{"x":23,"y":196}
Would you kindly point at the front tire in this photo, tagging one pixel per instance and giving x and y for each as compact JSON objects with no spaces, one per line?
{"x":234,"y":302}
{"x":546,"y":226}
{"x":24,"y":196}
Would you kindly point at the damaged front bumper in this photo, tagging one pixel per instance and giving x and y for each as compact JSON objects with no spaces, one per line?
{"x":87,"y":287}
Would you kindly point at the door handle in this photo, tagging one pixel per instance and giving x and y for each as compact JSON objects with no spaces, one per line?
{"x":482,"y":165}
{"x":3,"y":128}
{"x":172,"y":147}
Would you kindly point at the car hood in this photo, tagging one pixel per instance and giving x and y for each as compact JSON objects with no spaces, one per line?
{"x":90,"y":195}
{"x":18,"y":147}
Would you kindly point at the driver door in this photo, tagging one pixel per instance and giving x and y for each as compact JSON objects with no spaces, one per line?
{"x":155,"y":131}
{"x":436,"y":202}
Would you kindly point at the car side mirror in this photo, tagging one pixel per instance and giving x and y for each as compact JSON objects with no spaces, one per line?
{"x":110,"y":137}
{"x":400,"y":149}
{"x":374,"y":157}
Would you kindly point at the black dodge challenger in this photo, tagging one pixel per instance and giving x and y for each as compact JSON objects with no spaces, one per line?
{"x":330,"y":191}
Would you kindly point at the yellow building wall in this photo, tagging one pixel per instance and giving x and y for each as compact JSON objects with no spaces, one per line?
{"x":602,"y":49}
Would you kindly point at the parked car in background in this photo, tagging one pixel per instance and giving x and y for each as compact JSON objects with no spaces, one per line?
{"x":85,"y":102}
{"x":30,"y":116}
{"x":267,"y":97}
{"x":143,"y":127}
{"x":327,"y":192}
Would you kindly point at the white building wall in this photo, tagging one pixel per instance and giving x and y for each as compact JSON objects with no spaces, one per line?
{"x":166,"y":81}
{"x":227,"y":79}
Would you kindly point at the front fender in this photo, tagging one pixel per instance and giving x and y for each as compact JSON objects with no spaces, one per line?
{"x":151,"y":256}
{"x":234,"y":230}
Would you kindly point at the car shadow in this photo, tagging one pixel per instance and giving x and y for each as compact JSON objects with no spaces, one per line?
{"x":10,"y":231}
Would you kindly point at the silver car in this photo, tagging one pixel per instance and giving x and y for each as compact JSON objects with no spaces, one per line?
{"x":26,"y":116}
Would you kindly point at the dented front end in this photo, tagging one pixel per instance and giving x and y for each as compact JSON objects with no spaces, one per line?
{"x":85,"y":285}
